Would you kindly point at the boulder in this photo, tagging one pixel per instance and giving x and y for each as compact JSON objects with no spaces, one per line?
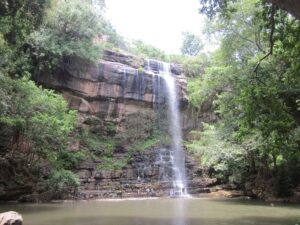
{"x":11,"y":218}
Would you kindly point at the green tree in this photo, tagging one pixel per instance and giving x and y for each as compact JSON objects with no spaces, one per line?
{"x":35,"y":124}
{"x":69,"y":30}
{"x":254,"y":81}
{"x":225,"y":159}
{"x":37,"y":119}
{"x":191,"y":44}
{"x":18,"y":19}
{"x":212,"y":7}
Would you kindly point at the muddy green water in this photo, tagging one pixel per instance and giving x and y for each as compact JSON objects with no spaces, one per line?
{"x":158,"y":212}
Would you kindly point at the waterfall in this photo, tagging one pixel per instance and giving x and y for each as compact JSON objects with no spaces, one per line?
{"x":178,"y":156}
{"x":179,"y":184}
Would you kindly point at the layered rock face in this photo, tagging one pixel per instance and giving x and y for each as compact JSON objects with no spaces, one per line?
{"x":148,"y":174}
{"x":119,"y":86}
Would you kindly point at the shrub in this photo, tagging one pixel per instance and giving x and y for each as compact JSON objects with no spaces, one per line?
{"x":63,"y":182}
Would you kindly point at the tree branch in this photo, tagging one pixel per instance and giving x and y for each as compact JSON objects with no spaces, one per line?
{"x":241,"y":36}
{"x":271,"y":41}
{"x":258,"y":43}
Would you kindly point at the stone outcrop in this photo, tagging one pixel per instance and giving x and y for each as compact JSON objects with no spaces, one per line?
{"x":11,"y":218}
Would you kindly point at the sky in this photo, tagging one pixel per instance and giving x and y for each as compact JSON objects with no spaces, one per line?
{"x":156,"y":22}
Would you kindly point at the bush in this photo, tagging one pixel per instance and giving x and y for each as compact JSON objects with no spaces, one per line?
{"x":226,"y":159}
{"x":99,"y":145}
{"x":142,"y":145}
{"x":69,"y":160}
{"x":63,"y":182}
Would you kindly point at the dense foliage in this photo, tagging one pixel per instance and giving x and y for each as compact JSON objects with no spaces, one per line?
{"x":253,"y":80}
{"x":69,"y":29}
{"x":35,"y":124}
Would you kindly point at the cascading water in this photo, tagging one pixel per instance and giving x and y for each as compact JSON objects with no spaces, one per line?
{"x":177,"y":156}
{"x":179,"y":183}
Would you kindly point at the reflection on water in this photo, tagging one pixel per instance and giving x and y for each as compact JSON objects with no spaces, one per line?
{"x":158,"y":212}
{"x":179,"y":212}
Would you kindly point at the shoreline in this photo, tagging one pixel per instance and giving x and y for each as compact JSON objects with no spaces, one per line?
{"x":216,"y":195}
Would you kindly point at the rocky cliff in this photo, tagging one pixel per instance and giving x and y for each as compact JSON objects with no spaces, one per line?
{"x":120,"y":104}
{"x":119,"y":85}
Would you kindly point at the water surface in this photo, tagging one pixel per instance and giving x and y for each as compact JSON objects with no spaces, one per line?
{"x":158,"y":212}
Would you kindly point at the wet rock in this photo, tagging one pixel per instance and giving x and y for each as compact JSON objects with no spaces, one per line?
{"x":11,"y":218}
